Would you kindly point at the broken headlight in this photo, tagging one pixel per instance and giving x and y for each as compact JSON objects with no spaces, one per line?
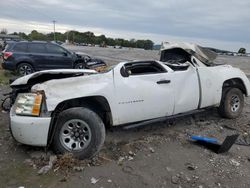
{"x":28,"y":104}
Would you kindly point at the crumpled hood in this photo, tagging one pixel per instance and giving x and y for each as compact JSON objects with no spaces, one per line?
{"x":24,"y":80}
{"x":201,"y":53}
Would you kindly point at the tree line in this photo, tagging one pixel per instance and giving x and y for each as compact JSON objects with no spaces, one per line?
{"x":87,"y":38}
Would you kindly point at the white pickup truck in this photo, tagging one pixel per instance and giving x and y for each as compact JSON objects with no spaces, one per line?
{"x":69,"y":109}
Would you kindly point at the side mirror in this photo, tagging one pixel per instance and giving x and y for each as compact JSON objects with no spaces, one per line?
{"x":124,"y":72}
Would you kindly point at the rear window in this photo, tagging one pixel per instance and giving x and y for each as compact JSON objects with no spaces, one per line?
{"x":147,"y":67}
{"x":36,"y":48}
{"x":19,"y":47}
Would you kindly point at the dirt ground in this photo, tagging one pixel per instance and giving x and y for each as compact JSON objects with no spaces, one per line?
{"x":159,"y":155}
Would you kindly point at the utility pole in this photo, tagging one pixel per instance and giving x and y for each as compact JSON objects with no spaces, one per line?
{"x":54,"y":22}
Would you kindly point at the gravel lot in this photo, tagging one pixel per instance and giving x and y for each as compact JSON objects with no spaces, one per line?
{"x":159,"y":155}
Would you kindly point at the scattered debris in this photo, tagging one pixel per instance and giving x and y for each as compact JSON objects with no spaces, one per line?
{"x":234,"y":162}
{"x":243,"y":140}
{"x":175,"y":179}
{"x":212,"y":144}
{"x":31,"y":163}
{"x":109,"y":181}
{"x":120,"y":160}
{"x":151,"y":149}
{"x":94,"y":180}
{"x":130,"y":158}
{"x":45,"y":169}
{"x":78,"y":168}
{"x":131,"y":153}
{"x":191,"y":166}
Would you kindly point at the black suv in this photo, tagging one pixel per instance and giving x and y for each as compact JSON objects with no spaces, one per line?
{"x":27,"y":57}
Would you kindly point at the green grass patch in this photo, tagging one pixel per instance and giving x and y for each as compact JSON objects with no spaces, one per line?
{"x":5,"y":76}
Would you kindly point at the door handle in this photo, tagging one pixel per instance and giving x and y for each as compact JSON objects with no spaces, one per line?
{"x":163,"y":81}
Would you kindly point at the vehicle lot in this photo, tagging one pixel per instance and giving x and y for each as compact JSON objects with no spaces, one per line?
{"x":158,"y":155}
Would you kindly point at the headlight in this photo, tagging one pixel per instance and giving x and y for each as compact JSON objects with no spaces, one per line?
{"x":28,"y":104}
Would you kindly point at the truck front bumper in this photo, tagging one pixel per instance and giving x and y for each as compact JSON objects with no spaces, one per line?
{"x":30,"y":130}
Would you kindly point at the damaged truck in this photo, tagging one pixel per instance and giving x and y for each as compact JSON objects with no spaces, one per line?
{"x":70,"y":109}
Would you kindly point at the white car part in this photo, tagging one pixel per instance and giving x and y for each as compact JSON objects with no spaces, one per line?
{"x":28,"y":104}
{"x":30,"y":130}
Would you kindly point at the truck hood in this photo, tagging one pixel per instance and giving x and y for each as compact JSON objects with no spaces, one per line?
{"x":203,"y":54}
{"x":46,"y":75}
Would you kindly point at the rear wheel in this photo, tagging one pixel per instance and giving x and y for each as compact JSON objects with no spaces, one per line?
{"x":232,"y":103}
{"x":25,"y":69}
{"x":79,"y":131}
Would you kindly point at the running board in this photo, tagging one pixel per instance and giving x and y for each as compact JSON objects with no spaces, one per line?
{"x":151,"y":121}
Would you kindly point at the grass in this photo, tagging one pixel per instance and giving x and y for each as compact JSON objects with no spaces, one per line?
{"x":5,"y":76}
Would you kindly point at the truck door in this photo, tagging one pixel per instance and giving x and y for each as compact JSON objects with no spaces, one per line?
{"x":144,"y":92}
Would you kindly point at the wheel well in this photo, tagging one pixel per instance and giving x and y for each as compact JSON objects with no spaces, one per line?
{"x":237,"y":83}
{"x":98,"y":104}
{"x":24,"y":62}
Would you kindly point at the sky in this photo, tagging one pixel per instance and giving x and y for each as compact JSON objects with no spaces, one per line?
{"x":221,"y":24}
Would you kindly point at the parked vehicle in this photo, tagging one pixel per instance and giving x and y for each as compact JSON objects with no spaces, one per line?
{"x":71,"y":108}
{"x":27,"y":57}
{"x":90,"y":62}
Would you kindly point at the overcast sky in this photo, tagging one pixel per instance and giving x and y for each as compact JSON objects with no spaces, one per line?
{"x":218,"y":23}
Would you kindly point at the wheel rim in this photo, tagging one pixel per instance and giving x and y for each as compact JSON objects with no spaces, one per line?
{"x":25,"y":70}
{"x":235,"y":103}
{"x":80,"y":66}
{"x":75,"y":135}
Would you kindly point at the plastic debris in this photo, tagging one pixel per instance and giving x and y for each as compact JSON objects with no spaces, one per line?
{"x":94,"y":180}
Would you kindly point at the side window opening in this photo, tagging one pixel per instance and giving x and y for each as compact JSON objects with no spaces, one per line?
{"x":142,"y":68}
{"x":36,"y":48}
{"x":54,"y":49}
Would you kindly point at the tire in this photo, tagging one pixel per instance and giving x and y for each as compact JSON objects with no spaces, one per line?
{"x":80,"y":66}
{"x":79,"y":131}
{"x":25,"y":69}
{"x":232,"y":103}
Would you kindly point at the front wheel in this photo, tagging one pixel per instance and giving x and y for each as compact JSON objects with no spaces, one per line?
{"x":80,"y":66}
{"x":232,"y":103}
{"x":79,"y":131}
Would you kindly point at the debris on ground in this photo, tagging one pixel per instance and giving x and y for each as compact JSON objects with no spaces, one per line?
{"x":109,"y":181}
{"x":78,"y":168}
{"x":94,"y":180}
{"x":243,"y":140}
{"x":175,"y":179}
{"x":212,"y":143}
{"x":47,"y":168}
{"x":151,"y":150}
{"x":191,"y":166}
{"x":234,"y":162}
